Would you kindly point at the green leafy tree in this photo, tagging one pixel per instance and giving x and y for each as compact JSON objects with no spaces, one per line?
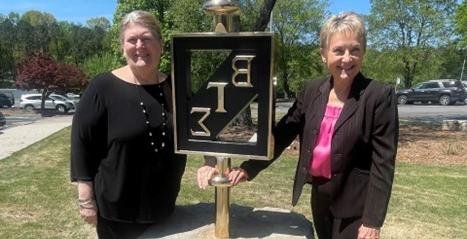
{"x":382,"y":65}
{"x":41,"y":28}
{"x":297,"y":24}
{"x":60,"y":47}
{"x":461,"y":23}
{"x":410,"y":30}
{"x":256,"y":15}
{"x":7,"y":51}
{"x":86,"y":42}
{"x":98,"y":64}
{"x":75,"y":43}
{"x":99,"y":23}
{"x":461,"y":28}
{"x":452,"y":58}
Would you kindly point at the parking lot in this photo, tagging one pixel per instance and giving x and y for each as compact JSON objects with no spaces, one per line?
{"x":417,"y":112}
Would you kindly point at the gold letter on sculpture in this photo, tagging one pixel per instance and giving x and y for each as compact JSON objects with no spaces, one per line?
{"x":207,"y":112}
{"x":220,"y":95}
{"x":246,"y":71}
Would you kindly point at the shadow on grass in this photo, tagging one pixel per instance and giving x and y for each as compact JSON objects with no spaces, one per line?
{"x":196,"y":221}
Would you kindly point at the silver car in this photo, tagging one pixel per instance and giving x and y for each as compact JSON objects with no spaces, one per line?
{"x":33,"y":101}
{"x":73,"y":97}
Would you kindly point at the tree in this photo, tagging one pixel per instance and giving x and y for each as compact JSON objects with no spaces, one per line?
{"x":41,"y":28}
{"x":451,"y":58}
{"x":264,"y":15}
{"x":383,"y":65}
{"x":7,"y":46}
{"x":74,"y":43}
{"x":97,"y":64}
{"x":411,"y":29}
{"x":86,"y":42}
{"x":461,"y":23}
{"x":42,"y":72}
{"x":98,"y":22}
{"x":297,"y":24}
{"x":255,"y":15}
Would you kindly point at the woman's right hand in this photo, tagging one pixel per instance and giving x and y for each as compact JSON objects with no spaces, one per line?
{"x":89,"y":213}
{"x":87,"y":204}
{"x":205,"y":174}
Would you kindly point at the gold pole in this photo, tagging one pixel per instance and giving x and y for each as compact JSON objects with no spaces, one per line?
{"x":222,"y":184}
{"x":225,"y":13}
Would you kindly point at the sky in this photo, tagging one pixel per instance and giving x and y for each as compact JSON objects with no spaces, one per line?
{"x":79,"y":11}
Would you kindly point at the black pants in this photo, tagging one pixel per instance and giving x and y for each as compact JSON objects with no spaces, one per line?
{"x":107,"y":229}
{"x":326,"y":225}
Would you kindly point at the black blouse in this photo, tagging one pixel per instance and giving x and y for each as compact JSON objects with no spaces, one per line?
{"x":136,"y":176}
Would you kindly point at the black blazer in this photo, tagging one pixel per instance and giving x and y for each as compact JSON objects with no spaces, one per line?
{"x":363,"y":147}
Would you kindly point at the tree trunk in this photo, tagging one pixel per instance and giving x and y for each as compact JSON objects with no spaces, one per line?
{"x":285,"y":85}
{"x":264,"y":15}
{"x":409,"y":72}
{"x":44,"y":97}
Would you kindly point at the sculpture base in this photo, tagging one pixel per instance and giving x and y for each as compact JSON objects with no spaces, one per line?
{"x":197,"y":221}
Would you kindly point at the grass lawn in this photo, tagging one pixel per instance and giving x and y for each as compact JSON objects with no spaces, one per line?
{"x":37,"y":199}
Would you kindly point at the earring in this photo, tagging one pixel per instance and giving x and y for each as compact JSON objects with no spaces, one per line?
{"x":324,"y":60}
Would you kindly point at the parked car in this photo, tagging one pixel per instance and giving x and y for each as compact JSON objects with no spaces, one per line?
{"x":54,"y":101}
{"x":63,"y":98}
{"x":5,"y":101}
{"x":9,"y":93}
{"x":2,"y":120}
{"x":73,"y":97}
{"x":444,"y":92}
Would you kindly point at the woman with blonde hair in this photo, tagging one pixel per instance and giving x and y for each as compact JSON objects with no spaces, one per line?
{"x":348,"y":130}
{"x":122,"y":155}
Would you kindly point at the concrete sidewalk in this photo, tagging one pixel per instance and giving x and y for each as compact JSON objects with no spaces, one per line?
{"x":19,"y":137}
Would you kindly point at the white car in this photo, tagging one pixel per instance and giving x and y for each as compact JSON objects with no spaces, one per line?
{"x":33,"y":101}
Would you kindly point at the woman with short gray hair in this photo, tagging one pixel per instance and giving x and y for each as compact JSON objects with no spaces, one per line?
{"x":348,"y":130}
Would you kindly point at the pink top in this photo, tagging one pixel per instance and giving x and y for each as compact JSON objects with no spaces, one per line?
{"x":320,"y":165}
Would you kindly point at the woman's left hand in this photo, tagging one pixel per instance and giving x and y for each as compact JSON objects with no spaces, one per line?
{"x":368,"y":232}
{"x":237,"y":175}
